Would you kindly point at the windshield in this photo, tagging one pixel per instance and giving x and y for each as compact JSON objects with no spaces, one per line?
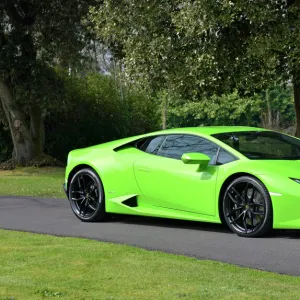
{"x":262,"y":144}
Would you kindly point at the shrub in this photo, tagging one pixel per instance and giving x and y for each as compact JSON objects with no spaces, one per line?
{"x":92,"y":111}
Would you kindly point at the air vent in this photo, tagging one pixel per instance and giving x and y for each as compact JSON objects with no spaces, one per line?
{"x":131,"y":202}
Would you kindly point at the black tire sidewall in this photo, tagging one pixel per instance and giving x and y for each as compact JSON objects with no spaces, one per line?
{"x":100,"y":212}
{"x":266,"y":226}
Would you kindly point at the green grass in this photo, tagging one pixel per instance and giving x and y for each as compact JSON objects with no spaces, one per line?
{"x":31,"y":181}
{"x":36,"y":266}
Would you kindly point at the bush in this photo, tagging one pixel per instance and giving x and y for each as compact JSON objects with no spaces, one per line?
{"x":92,"y":111}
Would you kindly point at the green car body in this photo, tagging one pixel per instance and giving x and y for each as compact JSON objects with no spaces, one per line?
{"x":172,"y":188}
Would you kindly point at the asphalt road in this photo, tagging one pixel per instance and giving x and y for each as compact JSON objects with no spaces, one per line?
{"x":278,"y":253}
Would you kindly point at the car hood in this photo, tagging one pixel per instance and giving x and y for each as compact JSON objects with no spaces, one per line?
{"x":290,"y":168}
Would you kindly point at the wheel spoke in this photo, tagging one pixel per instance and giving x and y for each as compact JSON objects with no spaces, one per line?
{"x":257,"y":204}
{"x":258,"y":213}
{"x":92,"y":207}
{"x":252,"y":195}
{"x":85,"y":207}
{"x":94,"y":192}
{"x":81,"y":197}
{"x":237,"y":193}
{"x":93,"y":199}
{"x":232,"y":199}
{"x":78,"y":192}
{"x":251,"y":219}
{"x":237,"y":218}
{"x":79,"y":183}
{"x":78,"y":199}
{"x":234,"y":210}
{"x":81,"y":205}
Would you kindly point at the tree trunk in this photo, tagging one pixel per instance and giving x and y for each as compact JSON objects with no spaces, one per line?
{"x":269,"y":110}
{"x":37,"y":129}
{"x":28,"y":142}
{"x":164,"y":113}
{"x":297,"y":107}
{"x":277,"y":121}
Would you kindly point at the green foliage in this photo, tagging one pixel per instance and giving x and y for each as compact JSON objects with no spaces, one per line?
{"x":227,"y":109}
{"x":217,"y":56}
{"x":142,"y":32}
{"x":273,"y":109}
{"x":93,"y":111}
{"x":204,"y":47}
{"x":278,"y":110}
{"x":34,"y":35}
{"x":250,"y":43}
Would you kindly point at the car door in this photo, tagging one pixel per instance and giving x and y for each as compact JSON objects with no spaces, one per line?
{"x":167,"y":182}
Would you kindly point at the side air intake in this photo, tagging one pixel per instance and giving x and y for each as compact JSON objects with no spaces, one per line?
{"x":131,"y":202}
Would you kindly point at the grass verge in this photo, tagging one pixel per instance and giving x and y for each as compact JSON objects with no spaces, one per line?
{"x":32,"y":181}
{"x":36,"y":266}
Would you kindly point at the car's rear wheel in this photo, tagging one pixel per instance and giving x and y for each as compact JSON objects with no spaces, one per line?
{"x":247,"y":207}
{"x":86,"y":196}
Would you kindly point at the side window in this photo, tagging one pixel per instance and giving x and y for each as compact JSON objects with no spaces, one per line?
{"x":151,"y":145}
{"x":224,"y":157}
{"x":176,"y":145}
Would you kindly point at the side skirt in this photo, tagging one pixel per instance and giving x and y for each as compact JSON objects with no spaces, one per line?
{"x":129,"y":205}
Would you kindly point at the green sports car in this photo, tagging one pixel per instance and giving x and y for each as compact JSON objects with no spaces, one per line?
{"x":245,"y":177}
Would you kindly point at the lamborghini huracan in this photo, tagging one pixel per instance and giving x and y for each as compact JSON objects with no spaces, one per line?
{"x":245,"y":177}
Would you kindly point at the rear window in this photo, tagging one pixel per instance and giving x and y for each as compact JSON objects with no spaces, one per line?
{"x":151,"y":145}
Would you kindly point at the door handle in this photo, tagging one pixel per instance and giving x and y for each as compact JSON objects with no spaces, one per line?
{"x":143,"y":169}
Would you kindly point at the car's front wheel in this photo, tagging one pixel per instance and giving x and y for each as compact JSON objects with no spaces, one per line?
{"x":247,"y":207}
{"x":86,"y":196}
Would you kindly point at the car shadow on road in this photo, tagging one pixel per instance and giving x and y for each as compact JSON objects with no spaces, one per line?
{"x":191,"y":225}
{"x":170,"y":223}
{"x":286,"y":234}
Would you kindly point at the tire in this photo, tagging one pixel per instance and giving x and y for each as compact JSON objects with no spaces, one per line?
{"x":86,"y":196}
{"x":247,"y":207}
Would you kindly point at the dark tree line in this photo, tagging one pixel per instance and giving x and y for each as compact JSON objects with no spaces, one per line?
{"x":187,"y":50}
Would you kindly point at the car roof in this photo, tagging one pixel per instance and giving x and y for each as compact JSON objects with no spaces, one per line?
{"x":210,"y":130}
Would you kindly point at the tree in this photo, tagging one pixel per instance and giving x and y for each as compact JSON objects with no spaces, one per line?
{"x":34,"y":36}
{"x":277,"y":109}
{"x":203,"y":47}
{"x":140,"y":33}
{"x":252,"y":43}
{"x":271,"y":109}
{"x":229,"y":109}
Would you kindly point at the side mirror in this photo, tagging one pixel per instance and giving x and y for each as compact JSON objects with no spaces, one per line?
{"x":196,"y":159}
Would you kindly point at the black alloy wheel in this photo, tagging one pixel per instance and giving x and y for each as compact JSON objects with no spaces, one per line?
{"x":86,"y":196}
{"x":247,"y":207}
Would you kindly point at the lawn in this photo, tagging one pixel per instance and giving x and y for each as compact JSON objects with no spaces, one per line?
{"x":39,"y":266}
{"x":31,"y":181}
